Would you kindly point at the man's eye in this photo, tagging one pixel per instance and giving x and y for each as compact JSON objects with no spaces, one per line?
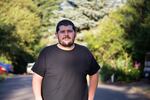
{"x":62,"y":32}
{"x":70,"y":31}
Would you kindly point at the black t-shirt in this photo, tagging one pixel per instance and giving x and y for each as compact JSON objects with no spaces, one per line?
{"x":64,"y":72}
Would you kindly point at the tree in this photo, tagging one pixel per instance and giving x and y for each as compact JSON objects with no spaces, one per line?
{"x":118,"y":40}
{"x":46,"y":8}
{"x":19,"y":23}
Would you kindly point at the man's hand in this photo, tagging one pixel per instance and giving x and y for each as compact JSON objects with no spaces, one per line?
{"x":38,"y":98}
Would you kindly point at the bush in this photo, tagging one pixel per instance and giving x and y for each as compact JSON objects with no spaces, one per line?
{"x":127,"y":74}
{"x":121,"y":74}
{"x":106,"y":72}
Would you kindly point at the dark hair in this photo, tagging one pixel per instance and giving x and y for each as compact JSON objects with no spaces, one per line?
{"x":65,"y":22}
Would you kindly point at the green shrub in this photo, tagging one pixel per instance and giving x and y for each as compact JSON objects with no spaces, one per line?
{"x":106,"y":72}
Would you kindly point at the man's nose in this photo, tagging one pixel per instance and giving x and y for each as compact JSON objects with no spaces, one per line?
{"x":66,"y":32}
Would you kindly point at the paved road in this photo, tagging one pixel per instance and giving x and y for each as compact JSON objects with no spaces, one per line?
{"x":19,"y":88}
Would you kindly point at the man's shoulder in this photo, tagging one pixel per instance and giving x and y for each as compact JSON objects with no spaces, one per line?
{"x":83,"y":47}
{"x":48,"y":48}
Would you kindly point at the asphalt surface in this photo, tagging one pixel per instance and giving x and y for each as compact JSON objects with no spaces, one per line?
{"x":16,"y":88}
{"x":19,"y":88}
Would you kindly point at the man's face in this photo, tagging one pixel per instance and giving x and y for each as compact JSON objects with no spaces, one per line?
{"x":66,"y":35}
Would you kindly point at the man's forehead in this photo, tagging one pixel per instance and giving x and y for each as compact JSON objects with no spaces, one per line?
{"x":65,"y":26}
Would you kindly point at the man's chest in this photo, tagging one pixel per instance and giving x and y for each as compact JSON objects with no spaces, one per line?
{"x":64,"y":64}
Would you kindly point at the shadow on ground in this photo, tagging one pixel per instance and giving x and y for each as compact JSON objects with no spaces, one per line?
{"x":114,"y":92}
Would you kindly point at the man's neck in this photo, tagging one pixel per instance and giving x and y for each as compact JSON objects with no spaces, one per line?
{"x":66,"y":48}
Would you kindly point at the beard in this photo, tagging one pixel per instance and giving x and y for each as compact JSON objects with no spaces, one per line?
{"x":66,"y":41}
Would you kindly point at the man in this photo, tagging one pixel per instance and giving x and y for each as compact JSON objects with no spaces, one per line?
{"x":61,"y":69}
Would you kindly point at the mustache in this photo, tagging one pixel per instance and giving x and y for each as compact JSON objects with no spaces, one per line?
{"x":66,"y":37}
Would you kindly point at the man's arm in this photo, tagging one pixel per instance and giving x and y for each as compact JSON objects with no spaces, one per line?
{"x":36,"y":86}
{"x":93,"y":82}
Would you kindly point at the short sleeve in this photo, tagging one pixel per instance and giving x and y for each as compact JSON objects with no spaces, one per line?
{"x":94,"y":66}
{"x":40,"y":65}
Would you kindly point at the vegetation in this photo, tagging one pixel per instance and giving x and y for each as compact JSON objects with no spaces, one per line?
{"x":118,"y":41}
{"x":48,"y":18}
{"x":118,"y":37}
{"x":19,"y":23}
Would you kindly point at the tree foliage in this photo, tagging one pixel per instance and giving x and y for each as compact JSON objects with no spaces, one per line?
{"x":19,"y":22}
{"x":48,"y":18}
{"x":121,"y":38}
